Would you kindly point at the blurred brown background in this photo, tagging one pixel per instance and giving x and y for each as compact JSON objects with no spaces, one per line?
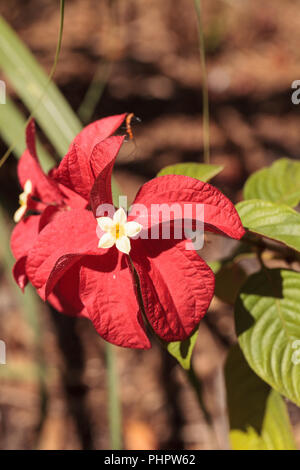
{"x":144,"y":54}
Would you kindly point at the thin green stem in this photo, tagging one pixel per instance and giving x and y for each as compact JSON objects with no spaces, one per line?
{"x":60,"y":35}
{"x":57,"y":52}
{"x":206,"y":132}
{"x":114,"y":407}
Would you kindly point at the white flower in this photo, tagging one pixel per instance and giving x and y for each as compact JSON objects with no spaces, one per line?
{"x":23,"y":198}
{"x":117,"y":231}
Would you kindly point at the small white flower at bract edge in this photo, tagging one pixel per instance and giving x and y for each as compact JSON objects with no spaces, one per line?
{"x":117,"y":231}
{"x":23,"y":198}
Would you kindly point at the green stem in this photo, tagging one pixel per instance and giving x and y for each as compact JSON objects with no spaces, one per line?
{"x":52,"y":72}
{"x":206,"y":133}
{"x":114,"y":407}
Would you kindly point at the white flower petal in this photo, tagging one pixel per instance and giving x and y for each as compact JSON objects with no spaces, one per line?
{"x":19,"y":213}
{"x":105,"y":223}
{"x":106,"y":241}
{"x":28,"y":187}
{"x":132,"y":228}
{"x":120,"y":216}
{"x":123,"y":244}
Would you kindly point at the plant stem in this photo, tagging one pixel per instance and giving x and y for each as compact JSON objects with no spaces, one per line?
{"x":206,"y":133}
{"x":52,"y":72}
{"x":114,"y":407}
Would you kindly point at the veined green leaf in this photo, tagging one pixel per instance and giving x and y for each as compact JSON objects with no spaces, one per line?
{"x":12,"y":130}
{"x":257,"y":414}
{"x":200,"y":171}
{"x":267,"y":318}
{"x":276,"y":221}
{"x":53,"y":113}
{"x":280,"y":183}
{"x":182,"y":350}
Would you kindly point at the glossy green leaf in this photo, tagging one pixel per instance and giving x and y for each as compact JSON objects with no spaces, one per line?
{"x":280,"y":183}
{"x":53,"y":113}
{"x":258,"y":415}
{"x":12,"y":130}
{"x":201,"y":171}
{"x":276,"y":221}
{"x":267,"y":318}
{"x":182,"y":350}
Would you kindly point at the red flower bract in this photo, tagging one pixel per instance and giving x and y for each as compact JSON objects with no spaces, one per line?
{"x":48,"y":197}
{"x":176,"y":285}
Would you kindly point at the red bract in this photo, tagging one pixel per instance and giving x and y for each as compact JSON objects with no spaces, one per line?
{"x":176,"y":285}
{"x":44,"y":198}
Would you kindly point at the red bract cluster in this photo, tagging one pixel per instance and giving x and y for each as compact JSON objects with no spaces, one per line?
{"x":58,"y":250}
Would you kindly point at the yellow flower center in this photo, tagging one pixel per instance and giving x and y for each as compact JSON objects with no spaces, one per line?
{"x":117,"y":231}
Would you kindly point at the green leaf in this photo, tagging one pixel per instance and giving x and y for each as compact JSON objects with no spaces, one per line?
{"x":53,"y":113}
{"x":12,"y":130}
{"x":214,"y":266}
{"x":276,"y":221}
{"x":229,"y":280}
{"x":200,"y":171}
{"x":258,"y":415}
{"x":280,"y":183}
{"x":182,"y":350}
{"x":267,"y":318}
{"x":12,"y":126}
